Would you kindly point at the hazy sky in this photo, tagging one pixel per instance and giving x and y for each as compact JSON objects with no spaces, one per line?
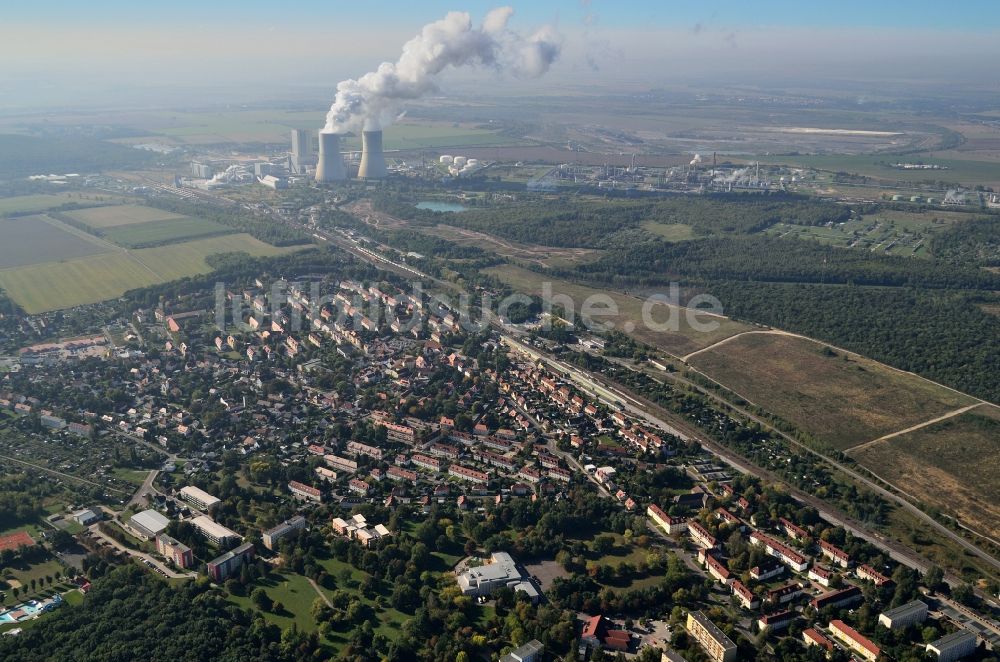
{"x":84,"y":52}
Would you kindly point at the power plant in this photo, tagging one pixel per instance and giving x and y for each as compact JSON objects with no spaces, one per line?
{"x":330,"y":166}
{"x":302,"y":151}
{"x":372,"y":158}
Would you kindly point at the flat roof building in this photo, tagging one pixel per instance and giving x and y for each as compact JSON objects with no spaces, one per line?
{"x":904,"y":615}
{"x":953,"y":646}
{"x":198,"y":497}
{"x":224,"y":566}
{"x":283,"y":530}
{"x":529,"y":652}
{"x":500,"y":572}
{"x":214,"y":531}
{"x":176,"y":551}
{"x":719,"y":647}
{"x":147,"y":524}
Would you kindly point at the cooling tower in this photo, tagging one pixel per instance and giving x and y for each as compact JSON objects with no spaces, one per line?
{"x":330,"y":166}
{"x":372,"y":158}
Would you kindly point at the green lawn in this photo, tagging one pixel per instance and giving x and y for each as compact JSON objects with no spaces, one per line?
{"x":135,"y":476}
{"x":296,"y":596}
{"x":670,"y":231}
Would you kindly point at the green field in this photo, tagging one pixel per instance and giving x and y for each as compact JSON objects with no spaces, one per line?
{"x":161,"y":232}
{"x":840,"y":400}
{"x":115,"y":215}
{"x":296,"y":596}
{"x":670,"y":231}
{"x":949,"y":465}
{"x":55,"y":285}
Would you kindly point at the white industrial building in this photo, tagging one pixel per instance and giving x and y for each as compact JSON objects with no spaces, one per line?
{"x":500,"y":572}
{"x":147,"y":524}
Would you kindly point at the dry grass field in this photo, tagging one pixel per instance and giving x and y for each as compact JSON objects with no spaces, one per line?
{"x":683,"y":341}
{"x":841,"y":400}
{"x":115,"y":215}
{"x":33,"y":239}
{"x":951,"y":465}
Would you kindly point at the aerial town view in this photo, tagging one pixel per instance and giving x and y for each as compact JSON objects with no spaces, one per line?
{"x":569,"y":331}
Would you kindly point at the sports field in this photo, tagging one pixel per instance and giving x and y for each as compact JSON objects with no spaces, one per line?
{"x":181,"y":228}
{"x":115,"y":215}
{"x":16,"y":540}
{"x":56,"y":285}
{"x":841,"y":400}
{"x":950,"y":465}
{"x":32,"y":239}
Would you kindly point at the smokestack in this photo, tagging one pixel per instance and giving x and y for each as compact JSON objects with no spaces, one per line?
{"x":372,"y":158}
{"x":330,"y":166}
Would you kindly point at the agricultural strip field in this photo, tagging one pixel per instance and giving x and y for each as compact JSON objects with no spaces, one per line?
{"x":683,"y":341}
{"x":41,"y":202}
{"x":115,"y":215}
{"x":32,"y":239}
{"x":138,"y":235}
{"x":951,"y":465}
{"x":841,"y":400}
{"x":55,"y":285}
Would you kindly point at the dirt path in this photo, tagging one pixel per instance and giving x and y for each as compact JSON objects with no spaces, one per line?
{"x":769,"y":332}
{"x":320,"y":593}
{"x":951,"y":414}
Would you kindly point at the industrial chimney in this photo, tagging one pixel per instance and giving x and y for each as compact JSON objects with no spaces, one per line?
{"x":330,"y":166}
{"x":372,"y":158}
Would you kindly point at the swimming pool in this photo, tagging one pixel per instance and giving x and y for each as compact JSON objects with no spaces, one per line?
{"x":30,"y":609}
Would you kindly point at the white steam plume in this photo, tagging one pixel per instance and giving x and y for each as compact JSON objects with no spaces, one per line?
{"x":374,"y":100}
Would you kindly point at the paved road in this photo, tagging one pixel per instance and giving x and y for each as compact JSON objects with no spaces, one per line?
{"x":140,"y":555}
{"x":638,"y":407}
{"x":146,"y":487}
{"x":874,"y":486}
{"x":655,"y":415}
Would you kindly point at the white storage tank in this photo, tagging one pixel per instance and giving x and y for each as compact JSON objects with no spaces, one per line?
{"x":446,"y":158}
{"x":460,"y":161}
